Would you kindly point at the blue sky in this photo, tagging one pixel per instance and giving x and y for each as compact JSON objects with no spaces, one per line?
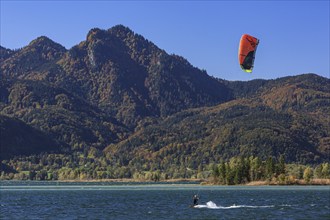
{"x":294,"y":35}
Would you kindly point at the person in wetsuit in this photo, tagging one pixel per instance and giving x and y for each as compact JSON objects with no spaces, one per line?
{"x":195,"y":200}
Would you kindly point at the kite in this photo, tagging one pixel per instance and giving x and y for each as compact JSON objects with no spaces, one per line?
{"x":246,"y":52}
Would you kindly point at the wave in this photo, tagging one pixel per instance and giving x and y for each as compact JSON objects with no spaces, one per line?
{"x":212,"y":205}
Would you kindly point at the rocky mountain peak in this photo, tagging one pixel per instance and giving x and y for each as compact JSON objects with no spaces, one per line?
{"x":120,"y":30}
{"x":44,"y":43}
{"x":95,"y":34}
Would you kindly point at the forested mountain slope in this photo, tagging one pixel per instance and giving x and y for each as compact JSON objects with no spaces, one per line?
{"x":118,"y":93}
{"x":286,"y":116}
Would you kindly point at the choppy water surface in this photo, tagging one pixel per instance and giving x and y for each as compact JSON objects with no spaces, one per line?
{"x":33,"y":200}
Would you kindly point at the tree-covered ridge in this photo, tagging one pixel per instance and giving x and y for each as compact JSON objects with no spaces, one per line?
{"x":210,"y":134}
{"x":5,"y":53}
{"x":131,"y":78}
{"x":115,"y":71}
{"x":70,"y":120}
{"x":245,"y":127}
{"x":31,"y":61}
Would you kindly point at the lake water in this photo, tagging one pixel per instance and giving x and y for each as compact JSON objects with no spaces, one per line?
{"x":51,"y":200}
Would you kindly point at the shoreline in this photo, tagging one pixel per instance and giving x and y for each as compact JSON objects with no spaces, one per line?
{"x":127,"y":180}
{"x":314,"y":182}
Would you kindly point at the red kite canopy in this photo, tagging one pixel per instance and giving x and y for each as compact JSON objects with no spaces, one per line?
{"x":246,"y":52}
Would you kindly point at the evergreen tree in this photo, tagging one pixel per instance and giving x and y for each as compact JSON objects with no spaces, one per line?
{"x":32,"y":175}
{"x":308,"y":174}
{"x":255,"y":172}
{"x":325,"y":170}
{"x":270,"y":168}
{"x":280,"y":166}
{"x":222,"y":172}
{"x":301,"y":173}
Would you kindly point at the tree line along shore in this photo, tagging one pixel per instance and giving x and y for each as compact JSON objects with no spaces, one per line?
{"x":236,"y":171}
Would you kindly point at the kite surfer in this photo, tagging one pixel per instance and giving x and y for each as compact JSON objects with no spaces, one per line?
{"x":195,"y":200}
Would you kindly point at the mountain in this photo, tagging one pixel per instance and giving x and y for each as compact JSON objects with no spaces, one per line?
{"x":119,"y":72}
{"x":119,"y":93}
{"x":31,"y":61}
{"x":132,"y":78}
